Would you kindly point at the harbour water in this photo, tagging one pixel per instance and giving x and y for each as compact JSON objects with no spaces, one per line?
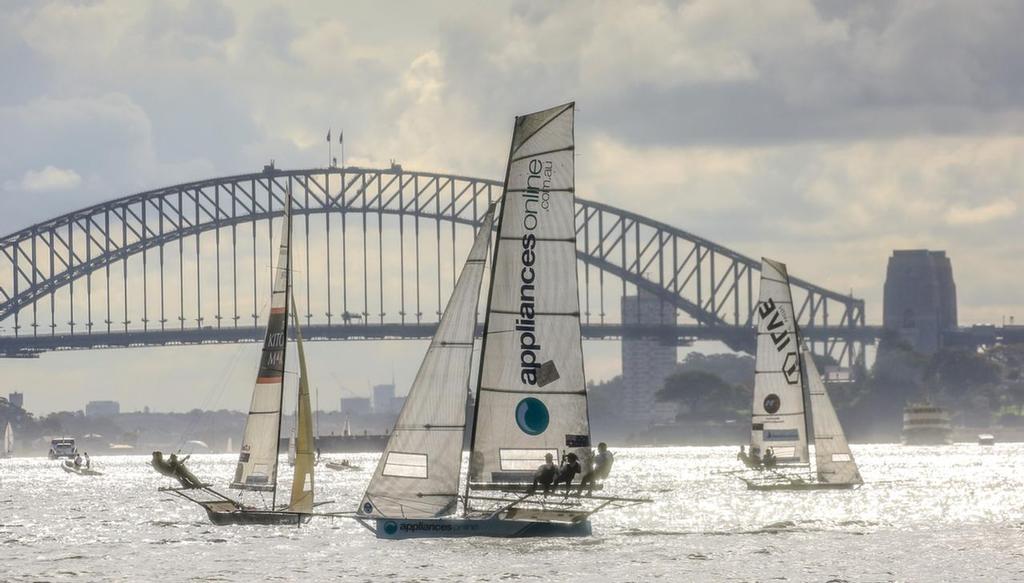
{"x":951,"y":513}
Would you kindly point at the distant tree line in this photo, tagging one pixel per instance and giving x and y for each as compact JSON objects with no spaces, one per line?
{"x":979,"y":387}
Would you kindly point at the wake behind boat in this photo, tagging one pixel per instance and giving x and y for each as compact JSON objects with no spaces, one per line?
{"x":785,"y":378}
{"x":257,"y":468}
{"x":531,"y":391}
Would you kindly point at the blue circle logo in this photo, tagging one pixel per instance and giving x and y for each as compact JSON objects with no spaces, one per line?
{"x":532,"y":416}
{"x":390,"y":527}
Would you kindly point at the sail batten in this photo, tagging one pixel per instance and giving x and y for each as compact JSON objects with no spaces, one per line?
{"x":778,"y":414}
{"x":258,"y":458}
{"x":532,"y":389}
{"x":418,"y":474}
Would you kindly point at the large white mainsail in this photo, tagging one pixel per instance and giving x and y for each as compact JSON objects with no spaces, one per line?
{"x":832,"y":455}
{"x":532,"y":397}
{"x":418,"y":474}
{"x":302,"y":450}
{"x":778,"y":417}
{"x":257,"y":462}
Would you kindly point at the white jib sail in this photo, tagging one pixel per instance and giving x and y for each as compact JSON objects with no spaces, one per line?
{"x":418,"y":473}
{"x":779,"y":420}
{"x":8,"y":439}
{"x":301,"y":444}
{"x":257,"y":462}
{"x":832,"y":455}
{"x":532,"y":397}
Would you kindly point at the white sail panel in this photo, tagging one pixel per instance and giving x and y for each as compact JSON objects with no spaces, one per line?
{"x":532,"y":394}
{"x":257,"y":462}
{"x":8,"y":440}
{"x":779,"y":420}
{"x":418,"y":474}
{"x":832,"y":455}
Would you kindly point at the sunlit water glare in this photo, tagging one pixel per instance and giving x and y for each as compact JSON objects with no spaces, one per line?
{"x":925,"y":514}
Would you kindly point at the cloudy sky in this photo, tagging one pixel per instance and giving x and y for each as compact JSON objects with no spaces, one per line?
{"x":824,"y":133}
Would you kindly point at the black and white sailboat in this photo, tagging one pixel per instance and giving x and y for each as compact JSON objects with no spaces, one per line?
{"x":257,"y":468}
{"x":787,"y":386}
{"x":531,"y":399}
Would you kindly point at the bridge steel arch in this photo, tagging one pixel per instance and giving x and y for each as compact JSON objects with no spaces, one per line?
{"x":711,"y":285}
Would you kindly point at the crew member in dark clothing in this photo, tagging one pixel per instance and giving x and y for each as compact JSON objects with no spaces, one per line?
{"x":602,"y":467}
{"x":742,"y":456}
{"x":544,"y":475}
{"x":570,"y":467}
{"x":769,"y":458}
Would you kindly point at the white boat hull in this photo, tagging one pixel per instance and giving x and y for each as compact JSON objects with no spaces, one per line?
{"x":402,"y":528}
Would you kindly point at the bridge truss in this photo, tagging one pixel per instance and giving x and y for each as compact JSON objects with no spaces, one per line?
{"x":377,"y":253}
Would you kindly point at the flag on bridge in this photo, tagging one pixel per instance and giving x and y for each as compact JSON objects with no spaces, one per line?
{"x":341,"y":137}
{"x":328,"y":135}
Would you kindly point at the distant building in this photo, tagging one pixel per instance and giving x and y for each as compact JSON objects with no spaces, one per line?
{"x":920,"y":298}
{"x":355,"y":406}
{"x":383,"y":398}
{"x":396,"y":404}
{"x":102,"y":409}
{"x":17,"y":399}
{"x":646,"y":362}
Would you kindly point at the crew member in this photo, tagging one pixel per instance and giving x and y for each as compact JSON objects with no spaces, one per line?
{"x":602,"y":467}
{"x":570,"y":467}
{"x":544,"y":475}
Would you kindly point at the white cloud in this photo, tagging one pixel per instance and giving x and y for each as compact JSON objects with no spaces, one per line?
{"x":978,"y":215}
{"x":50,"y":178}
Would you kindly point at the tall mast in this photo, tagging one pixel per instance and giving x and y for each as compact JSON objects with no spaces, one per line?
{"x":284,"y":353}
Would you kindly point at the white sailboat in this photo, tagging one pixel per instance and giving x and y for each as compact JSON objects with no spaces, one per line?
{"x":257,"y":468}
{"x":790,"y":399}
{"x":8,"y":449}
{"x":531,"y":397}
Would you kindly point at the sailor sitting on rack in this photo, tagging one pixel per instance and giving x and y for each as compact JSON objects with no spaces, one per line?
{"x":570,"y":467}
{"x":769,"y":458}
{"x":545,"y":474}
{"x":754,"y":460}
{"x":602,"y":467}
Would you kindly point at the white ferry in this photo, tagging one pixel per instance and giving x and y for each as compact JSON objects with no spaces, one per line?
{"x":926,"y":424}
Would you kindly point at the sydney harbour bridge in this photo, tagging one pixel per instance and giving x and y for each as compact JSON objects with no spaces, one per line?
{"x":376,"y":252}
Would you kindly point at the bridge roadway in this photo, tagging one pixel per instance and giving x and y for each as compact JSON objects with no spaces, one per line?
{"x":680,"y":334}
{"x":31,"y":346}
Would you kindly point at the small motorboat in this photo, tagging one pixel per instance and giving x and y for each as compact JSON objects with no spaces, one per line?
{"x":341,"y":466}
{"x":70,"y":467}
{"x":986,"y":439}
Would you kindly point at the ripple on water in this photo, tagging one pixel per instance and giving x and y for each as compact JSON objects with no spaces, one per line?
{"x":915,"y":507}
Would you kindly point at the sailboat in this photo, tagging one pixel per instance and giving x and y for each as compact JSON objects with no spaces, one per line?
{"x":790,"y":399}
{"x":531,"y":398}
{"x":8,"y":449}
{"x":257,"y":468}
